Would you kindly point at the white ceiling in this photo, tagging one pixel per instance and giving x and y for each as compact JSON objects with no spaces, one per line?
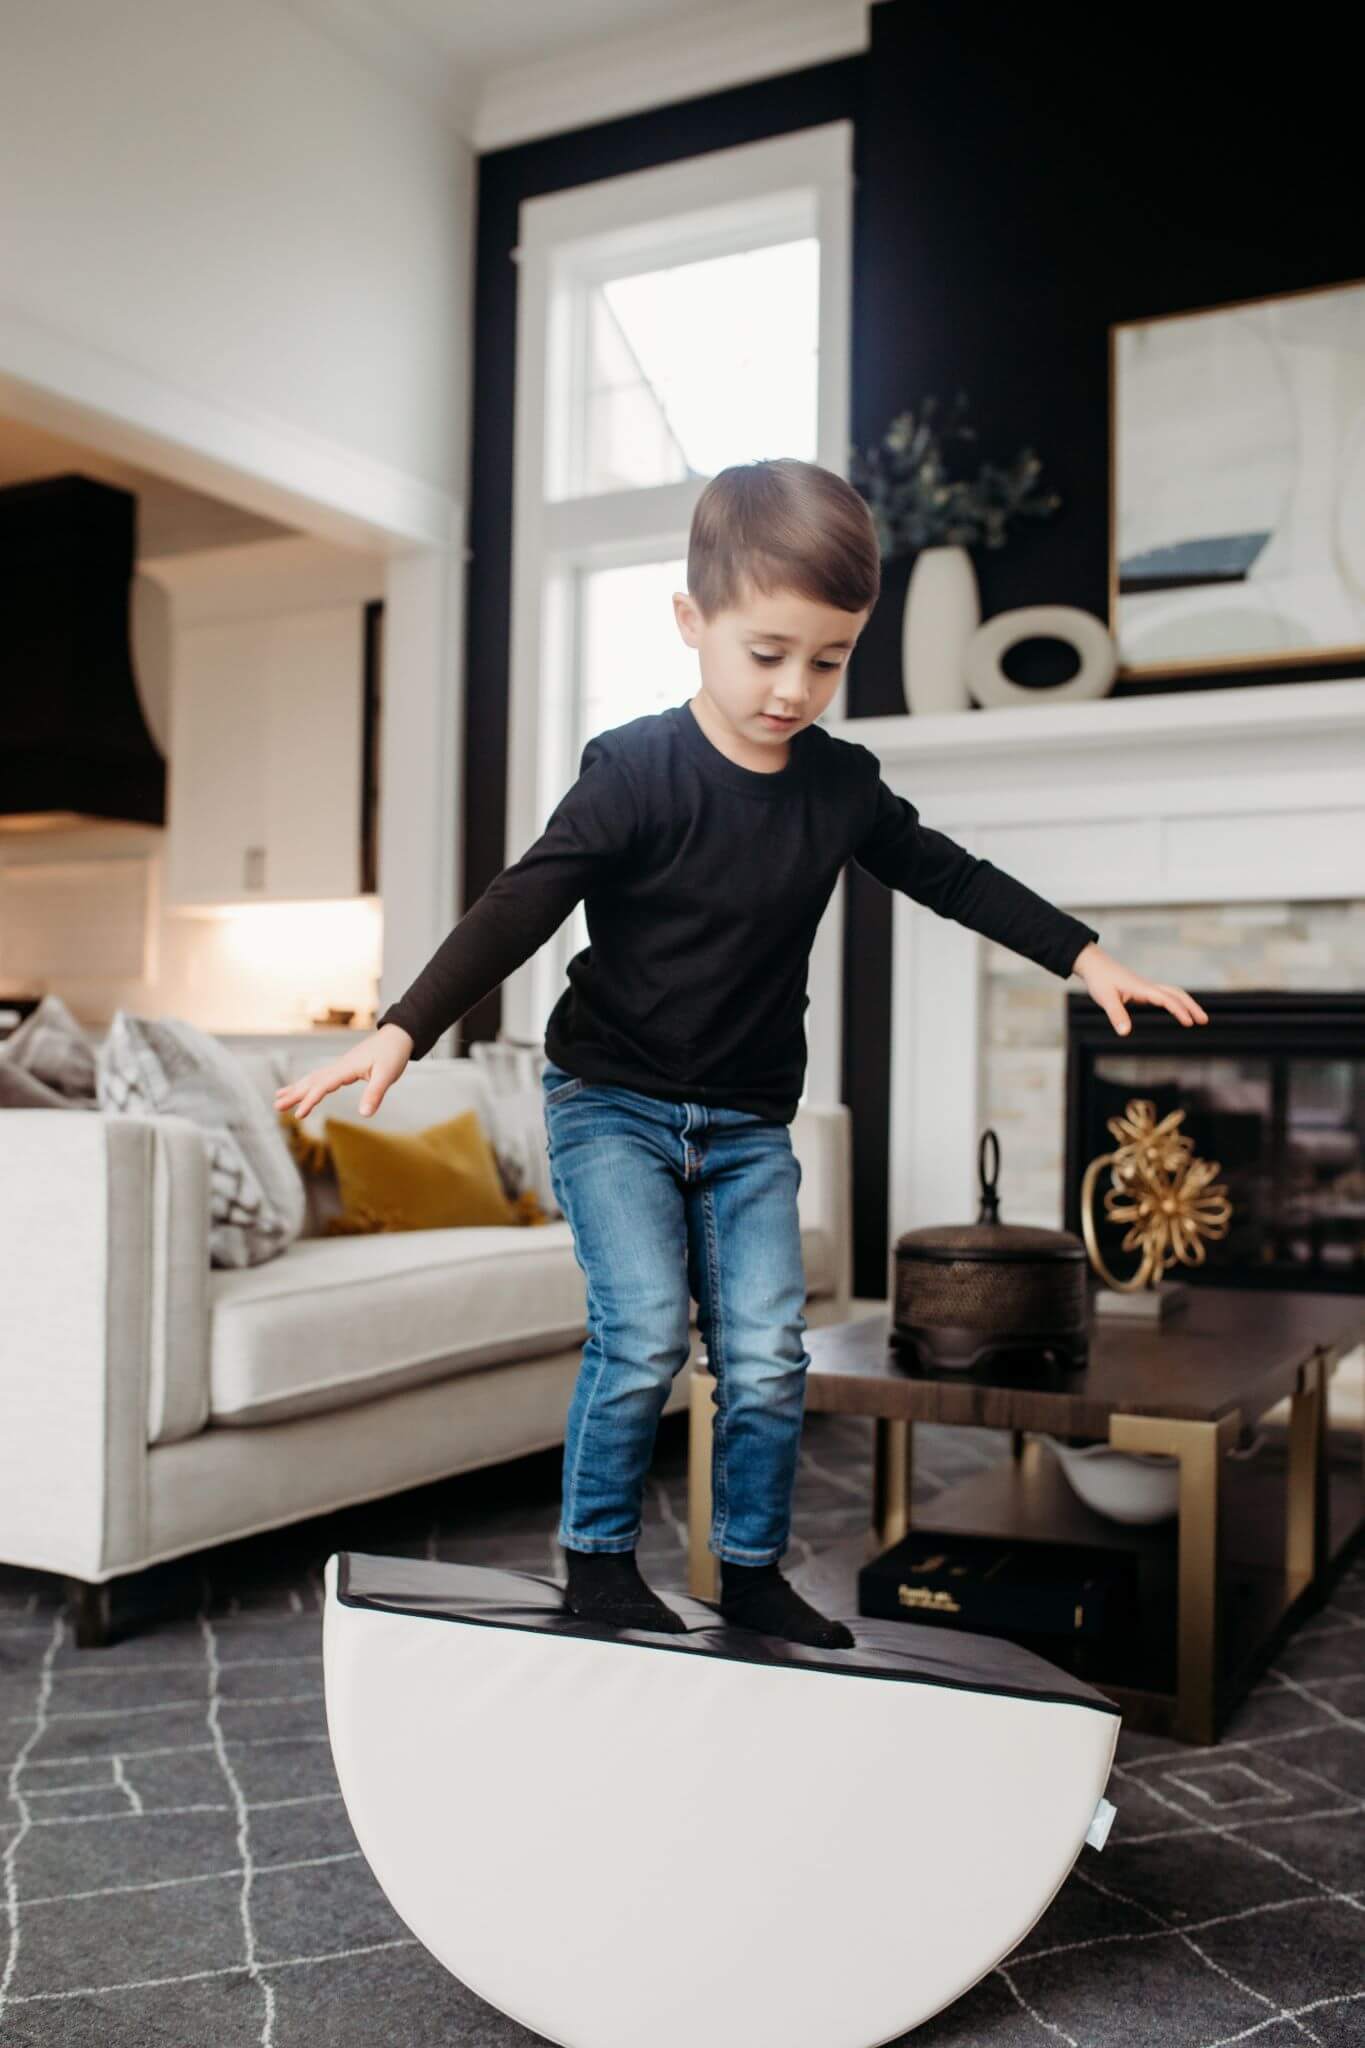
{"x":504,"y":71}
{"x":484,"y":36}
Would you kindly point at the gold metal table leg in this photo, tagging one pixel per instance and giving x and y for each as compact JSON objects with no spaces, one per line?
{"x":1199,"y":1447}
{"x":1305,"y":1534}
{"x":1332,"y":1357}
{"x":892,"y":1473}
{"x":703,"y":1566}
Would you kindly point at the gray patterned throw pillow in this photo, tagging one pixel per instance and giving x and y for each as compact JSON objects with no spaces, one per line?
{"x":519,"y":1141}
{"x":163,"y":1066}
{"x":51,"y":1046}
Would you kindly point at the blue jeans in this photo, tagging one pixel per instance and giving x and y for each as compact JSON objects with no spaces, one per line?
{"x":668,"y":1201}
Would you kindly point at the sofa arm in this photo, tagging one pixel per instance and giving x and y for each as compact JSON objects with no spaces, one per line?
{"x":822,"y":1139}
{"x":103,"y":1326}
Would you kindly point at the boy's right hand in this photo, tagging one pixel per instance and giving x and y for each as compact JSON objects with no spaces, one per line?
{"x":381,"y":1057}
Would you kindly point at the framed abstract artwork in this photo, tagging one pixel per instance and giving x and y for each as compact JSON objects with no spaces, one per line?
{"x":1237,"y":484}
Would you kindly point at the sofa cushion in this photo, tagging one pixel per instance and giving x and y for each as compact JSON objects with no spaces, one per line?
{"x":443,"y":1177}
{"x":341,"y":1320}
{"x":427,"y":1092}
{"x":517,"y":1102}
{"x":154,"y":1066}
{"x":21,"y":1090}
{"x":52,"y":1047}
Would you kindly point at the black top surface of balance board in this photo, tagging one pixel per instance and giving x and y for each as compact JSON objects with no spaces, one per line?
{"x":440,"y":1590}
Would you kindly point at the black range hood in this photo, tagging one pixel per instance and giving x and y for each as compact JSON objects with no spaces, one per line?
{"x":73,"y":738}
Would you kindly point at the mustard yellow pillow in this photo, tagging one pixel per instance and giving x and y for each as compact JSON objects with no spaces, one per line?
{"x":441,"y":1178}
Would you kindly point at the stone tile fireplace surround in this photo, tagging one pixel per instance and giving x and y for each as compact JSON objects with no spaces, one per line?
{"x":1215,"y":839}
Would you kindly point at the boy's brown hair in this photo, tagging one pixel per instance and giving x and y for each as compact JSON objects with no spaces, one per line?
{"x":782,"y":524}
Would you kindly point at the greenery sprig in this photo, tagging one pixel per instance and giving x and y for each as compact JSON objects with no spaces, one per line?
{"x":914,"y":501}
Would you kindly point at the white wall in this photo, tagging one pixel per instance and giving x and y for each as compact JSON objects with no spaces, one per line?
{"x":224,"y":198}
{"x":109,"y":942}
{"x":239,"y":258}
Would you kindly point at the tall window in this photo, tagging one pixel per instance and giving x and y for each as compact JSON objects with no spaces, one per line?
{"x":669,"y":323}
{"x":686,"y":367}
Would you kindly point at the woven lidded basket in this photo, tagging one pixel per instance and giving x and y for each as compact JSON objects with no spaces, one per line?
{"x":970,"y":1294}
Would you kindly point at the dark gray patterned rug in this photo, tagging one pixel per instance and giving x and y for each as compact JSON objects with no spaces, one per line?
{"x":178,"y":1866}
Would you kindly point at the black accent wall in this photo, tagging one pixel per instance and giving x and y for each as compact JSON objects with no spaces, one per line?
{"x":1025,"y":177}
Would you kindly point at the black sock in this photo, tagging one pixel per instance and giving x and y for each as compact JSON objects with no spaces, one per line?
{"x":757,"y":1596}
{"x":605,"y":1585}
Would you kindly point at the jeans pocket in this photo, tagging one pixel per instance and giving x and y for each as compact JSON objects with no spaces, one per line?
{"x":562,"y":1090}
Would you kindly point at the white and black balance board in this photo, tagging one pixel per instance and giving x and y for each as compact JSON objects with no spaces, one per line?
{"x":623,"y":1837}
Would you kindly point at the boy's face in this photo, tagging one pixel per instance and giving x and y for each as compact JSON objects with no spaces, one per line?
{"x":781,"y":653}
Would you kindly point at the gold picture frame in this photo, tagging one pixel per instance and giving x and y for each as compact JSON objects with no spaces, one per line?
{"x":1237,"y":485}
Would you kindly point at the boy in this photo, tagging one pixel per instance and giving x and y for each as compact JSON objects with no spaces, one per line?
{"x":705,"y":842}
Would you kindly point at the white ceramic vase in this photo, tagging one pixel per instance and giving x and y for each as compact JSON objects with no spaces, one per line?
{"x":942,"y":611}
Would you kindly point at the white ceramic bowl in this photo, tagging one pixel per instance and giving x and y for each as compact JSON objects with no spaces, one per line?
{"x":1127,"y":1486}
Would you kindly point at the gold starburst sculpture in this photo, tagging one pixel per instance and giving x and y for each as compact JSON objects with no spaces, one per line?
{"x":1160,"y":1190}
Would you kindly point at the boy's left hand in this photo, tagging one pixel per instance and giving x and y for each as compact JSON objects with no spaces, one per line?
{"x":1108,"y":981}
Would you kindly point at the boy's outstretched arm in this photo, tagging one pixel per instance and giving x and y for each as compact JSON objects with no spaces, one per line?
{"x":933,"y":869}
{"x":590,"y":831}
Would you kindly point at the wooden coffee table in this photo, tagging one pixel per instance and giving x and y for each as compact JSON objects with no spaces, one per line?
{"x":1257,"y":1538}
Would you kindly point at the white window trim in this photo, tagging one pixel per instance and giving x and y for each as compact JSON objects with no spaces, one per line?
{"x":799,"y":183}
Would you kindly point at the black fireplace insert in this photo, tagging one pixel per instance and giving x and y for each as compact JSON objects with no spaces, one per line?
{"x":1273,"y":1088}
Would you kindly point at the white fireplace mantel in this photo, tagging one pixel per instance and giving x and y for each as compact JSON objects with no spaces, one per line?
{"x":1208,"y":796}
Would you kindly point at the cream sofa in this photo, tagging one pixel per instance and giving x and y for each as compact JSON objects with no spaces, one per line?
{"x":153,"y":1405}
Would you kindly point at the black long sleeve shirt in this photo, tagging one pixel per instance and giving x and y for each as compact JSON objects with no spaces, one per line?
{"x":703,"y":883}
